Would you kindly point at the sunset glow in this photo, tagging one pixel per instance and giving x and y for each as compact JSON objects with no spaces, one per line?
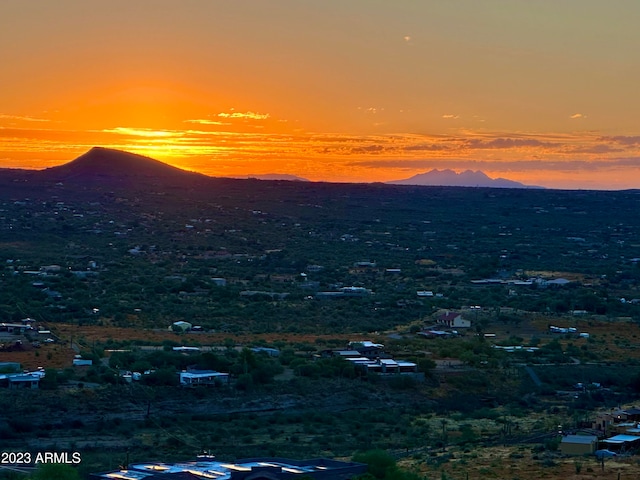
{"x":544,"y":93}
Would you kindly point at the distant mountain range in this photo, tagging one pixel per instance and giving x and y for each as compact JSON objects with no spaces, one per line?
{"x":468,"y":178}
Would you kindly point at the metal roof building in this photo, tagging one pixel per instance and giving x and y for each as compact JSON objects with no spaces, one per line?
{"x":207,"y":467}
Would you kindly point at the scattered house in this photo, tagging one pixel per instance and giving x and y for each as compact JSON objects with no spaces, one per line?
{"x":192,"y":378}
{"x":633,"y":414}
{"x":24,"y":381}
{"x":345,"y":292}
{"x":578,"y":444}
{"x":16,"y":328}
{"x":186,"y":349}
{"x":424,"y":293}
{"x":272,"y":352}
{"x":180,"y":326}
{"x":617,"y":421}
{"x":383,"y":365}
{"x":50,"y":268}
{"x":220,"y":282}
{"x":18,"y":379}
{"x":431,"y":333}
{"x":355,"y":291}
{"x":343,"y":353}
{"x":453,"y":320}
{"x":554,"y":329}
{"x":81,"y":362}
{"x":622,"y":442}
{"x":370,"y":357}
{"x":367,"y":348}
{"x":516,"y":348}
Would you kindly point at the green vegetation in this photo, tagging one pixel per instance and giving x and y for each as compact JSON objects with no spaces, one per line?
{"x":247,"y":259}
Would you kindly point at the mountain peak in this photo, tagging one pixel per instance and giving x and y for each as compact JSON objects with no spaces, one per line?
{"x":104,"y":164}
{"x":467,"y":178}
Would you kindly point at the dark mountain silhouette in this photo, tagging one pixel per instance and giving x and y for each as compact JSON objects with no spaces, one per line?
{"x":106,"y":165}
{"x":468,"y":178}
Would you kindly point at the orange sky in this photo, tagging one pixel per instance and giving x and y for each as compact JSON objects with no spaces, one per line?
{"x":542,"y":92}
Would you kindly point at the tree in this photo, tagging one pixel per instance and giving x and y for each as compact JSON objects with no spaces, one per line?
{"x":50,"y":379}
{"x":57,"y":471}
{"x":380,"y":462}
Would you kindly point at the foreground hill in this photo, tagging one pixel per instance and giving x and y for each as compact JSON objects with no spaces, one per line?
{"x":108,"y":166}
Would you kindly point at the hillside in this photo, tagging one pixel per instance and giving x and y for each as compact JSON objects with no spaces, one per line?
{"x":109,"y":166}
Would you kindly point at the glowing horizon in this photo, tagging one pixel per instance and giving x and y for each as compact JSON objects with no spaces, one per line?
{"x":339,"y":91}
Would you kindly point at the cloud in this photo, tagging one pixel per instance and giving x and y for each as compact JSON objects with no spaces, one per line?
{"x":623,"y":140}
{"x":371,"y":110}
{"x":577,"y":115}
{"x":502,"y":143}
{"x":597,"y":149}
{"x":250,"y":115}
{"x":204,"y":121}
{"x":22,"y":118}
{"x":369,"y":149}
{"x":429,"y":147}
{"x":450,"y":116}
{"x":144,"y":132}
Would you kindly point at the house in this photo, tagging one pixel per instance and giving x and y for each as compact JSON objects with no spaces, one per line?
{"x":622,"y":442}
{"x":81,"y":362}
{"x":180,"y":326}
{"x":578,"y":444}
{"x":192,"y":378}
{"x":383,"y":365}
{"x":367,"y":348}
{"x":21,"y":380}
{"x":453,"y":320}
{"x":431,"y":333}
{"x":272,"y":352}
{"x":355,"y":291}
{"x":424,"y":293}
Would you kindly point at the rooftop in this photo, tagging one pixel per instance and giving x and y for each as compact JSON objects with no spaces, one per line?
{"x":207,"y":467}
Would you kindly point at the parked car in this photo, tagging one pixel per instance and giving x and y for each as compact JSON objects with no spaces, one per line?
{"x":604,"y":454}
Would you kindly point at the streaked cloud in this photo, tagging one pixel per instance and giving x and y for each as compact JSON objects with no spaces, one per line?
{"x":450,"y":116}
{"x":577,"y":115}
{"x":22,"y":118}
{"x":204,"y":121}
{"x":250,"y":115}
{"x":144,"y":132}
{"x":623,"y":140}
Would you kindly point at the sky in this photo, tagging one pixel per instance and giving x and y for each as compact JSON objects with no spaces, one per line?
{"x":543,"y":92}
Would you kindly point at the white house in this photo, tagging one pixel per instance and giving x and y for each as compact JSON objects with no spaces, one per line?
{"x":453,"y":320}
{"x":202,"y":377}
